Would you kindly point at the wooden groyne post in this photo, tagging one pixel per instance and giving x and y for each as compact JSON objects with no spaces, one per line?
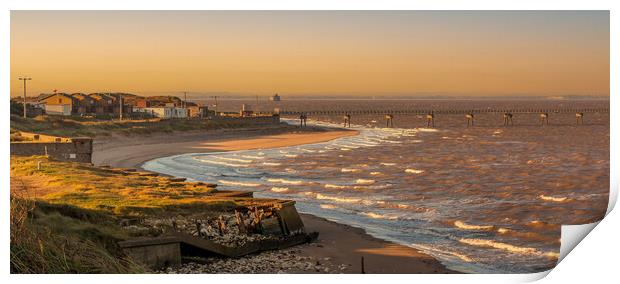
{"x":507,"y":118}
{"x":389,"y":120}
{"x":579,"y":117}
{"x":544,"y":118}
{"x":430,"y":119}
{"x":470,"y":118}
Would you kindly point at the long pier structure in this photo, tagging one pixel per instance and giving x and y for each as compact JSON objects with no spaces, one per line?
{"x":442,"y":111}
{"x":431,"y":113}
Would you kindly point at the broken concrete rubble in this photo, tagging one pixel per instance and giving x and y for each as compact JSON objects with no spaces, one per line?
{"x":250,"y":229}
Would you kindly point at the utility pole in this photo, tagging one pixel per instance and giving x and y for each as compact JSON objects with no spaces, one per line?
{"x":256,"y":110}
{"x":185,"y":105}
{"x":120,"y":104}
{"x":25,"y":79}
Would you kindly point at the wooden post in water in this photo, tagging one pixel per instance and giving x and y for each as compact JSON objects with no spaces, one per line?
{"x":507,"y":118}
{"x":544,"y":118}
{"x":389,"y":120}
{"x":430,"y":119}
{"x":579,"y":117}
{"x":363,"y":269}
{"x":470,"y":118}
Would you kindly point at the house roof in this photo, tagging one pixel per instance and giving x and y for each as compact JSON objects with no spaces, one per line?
{"x":51,"y":95}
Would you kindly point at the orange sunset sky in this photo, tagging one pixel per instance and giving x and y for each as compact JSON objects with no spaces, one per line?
{"x":481,"y":53}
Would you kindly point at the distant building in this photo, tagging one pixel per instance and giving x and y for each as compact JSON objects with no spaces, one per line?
{"x":143,"y":103}
{"x":245,"y":112}
{"x":275,"y":98}
{"x":58,"y":103}
{"x":197,"y":111}
{"x":164,"y":112}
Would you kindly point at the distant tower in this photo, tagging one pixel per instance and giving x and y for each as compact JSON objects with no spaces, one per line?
{"x":275,"y":98}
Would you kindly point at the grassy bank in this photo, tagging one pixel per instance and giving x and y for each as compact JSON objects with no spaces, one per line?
{"x":60,"y":239}
{"x":75,"y":126}
{"x":68,"y":217}
{"x":88,"y":187}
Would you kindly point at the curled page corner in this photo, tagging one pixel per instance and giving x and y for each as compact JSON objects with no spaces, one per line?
{"x":571,"y":236}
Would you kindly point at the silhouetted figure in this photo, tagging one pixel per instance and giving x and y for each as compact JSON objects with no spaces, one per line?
{"x":302,"y":120}
{"x":347,"y":120}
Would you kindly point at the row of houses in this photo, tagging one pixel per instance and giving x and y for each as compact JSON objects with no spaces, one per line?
{"x":113,"y":103}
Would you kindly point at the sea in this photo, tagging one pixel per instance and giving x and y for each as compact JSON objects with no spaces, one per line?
{"x":487,"y":198}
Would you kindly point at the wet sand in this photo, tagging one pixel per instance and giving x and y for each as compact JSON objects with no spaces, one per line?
{"x":340,"y":243}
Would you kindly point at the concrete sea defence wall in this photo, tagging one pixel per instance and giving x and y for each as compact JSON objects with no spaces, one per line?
{"x":79,"y":149}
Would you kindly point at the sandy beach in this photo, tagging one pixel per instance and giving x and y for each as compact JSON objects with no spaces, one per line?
{"x":341,"y":244}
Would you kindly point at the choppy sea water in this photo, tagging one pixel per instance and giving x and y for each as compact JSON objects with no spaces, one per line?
{"x":482,"y":199}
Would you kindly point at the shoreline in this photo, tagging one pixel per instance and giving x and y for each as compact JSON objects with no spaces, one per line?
{"x":339,"y":243}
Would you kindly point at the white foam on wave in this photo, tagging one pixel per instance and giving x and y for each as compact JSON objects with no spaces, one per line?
{"x":285,"y":181}
{"x":348,"y":170}
{"x":375,"y":173}
{"x":464,"y":226}
{"x":388,"y":164}
{"x":238,"y":183}
{"x":379,"y":216}
{"x":381,"y":186}
{"x":432,"y":250}
{"x":551,"y":198}
{"x":365,"y":181}
{"x":279,"y":189}
{"x":427,"y":129}
{"x":508,"y":247}
{"x":221,"y":163}
{"x":234,"y":159}
{"x":413,"y":171}
{"x":327,"y":206}
{"x":338,"y":199}
{"x":291,"y":155}
{"x":503,"y":230}
{"x":335,"y":186}
{"x":271,"y":164}
{"x":252,"y":157}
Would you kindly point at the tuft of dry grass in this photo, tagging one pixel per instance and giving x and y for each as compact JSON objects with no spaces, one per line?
{"x":45,"y":241}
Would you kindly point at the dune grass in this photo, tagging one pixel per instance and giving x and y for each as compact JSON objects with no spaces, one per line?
{"x":45,"y":241}
{"x":75,"y":126}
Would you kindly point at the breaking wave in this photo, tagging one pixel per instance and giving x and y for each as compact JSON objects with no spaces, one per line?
{"x":238,"y":183}
{"x":508,"y":247}
{"x":551,"y":198}
{"x":365,"y":181}
{"x":285,"y":181}
{"x":464,"y":226}
{"x":413,"y":171}
{"x":279,"y":189}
